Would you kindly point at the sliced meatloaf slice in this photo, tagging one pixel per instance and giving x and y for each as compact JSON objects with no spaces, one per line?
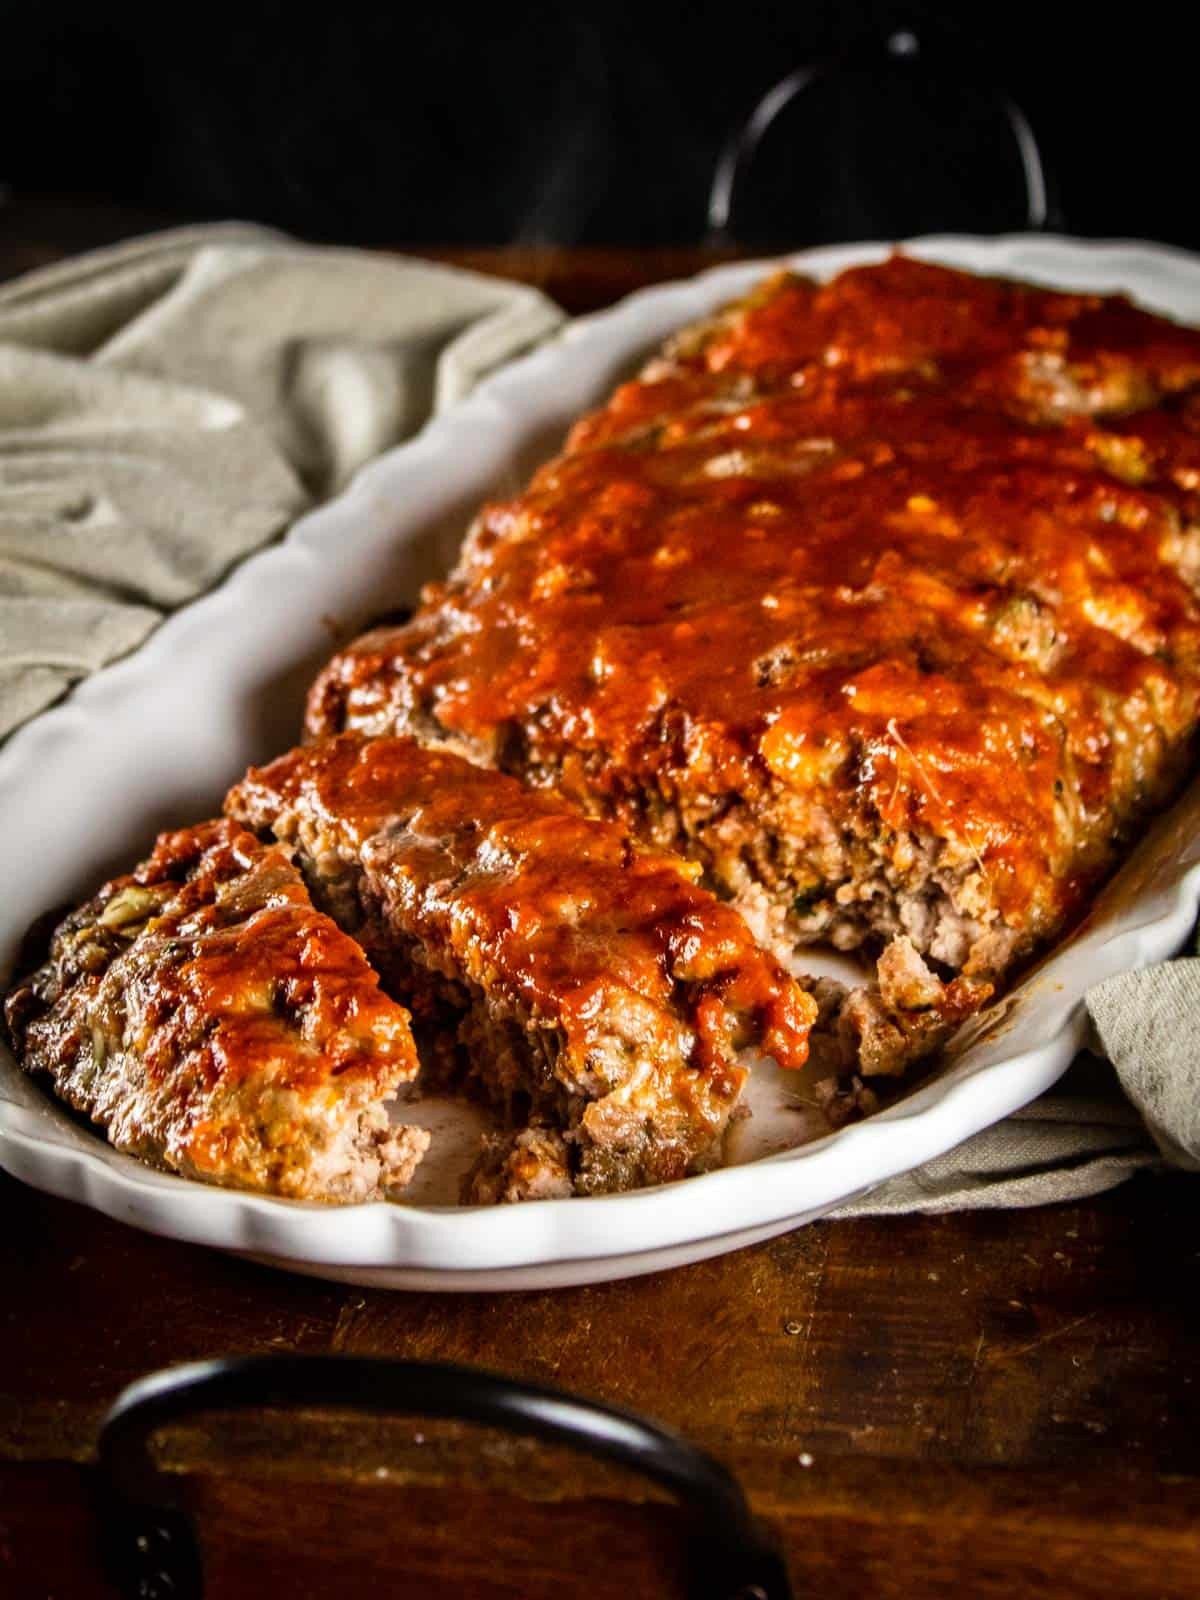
{"x":213,"y":1022}
{"x":591,"y":990}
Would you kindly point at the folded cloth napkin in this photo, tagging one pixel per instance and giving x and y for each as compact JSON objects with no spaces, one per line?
{"x":1080,"y":1140}
{"x":170,"y":405}
{"x":1104,"y":1123}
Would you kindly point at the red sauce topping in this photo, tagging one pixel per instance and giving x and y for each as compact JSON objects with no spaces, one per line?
{"x":522,"y":893}
{"x":248,"y":978}
{"x":921,"y":543}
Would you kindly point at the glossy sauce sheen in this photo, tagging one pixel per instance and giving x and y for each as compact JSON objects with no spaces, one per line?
{"x":521,"y":894}
{"x":916,"y":541}
{"x":247,"y":963}
{"x":213,"y":1020}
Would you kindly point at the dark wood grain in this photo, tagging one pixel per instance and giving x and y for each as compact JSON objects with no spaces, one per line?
{"x":1003,"y":1400}
{"x":988,"y":1404}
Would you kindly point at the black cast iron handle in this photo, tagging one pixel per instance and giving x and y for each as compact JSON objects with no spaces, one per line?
{"x":898,"y":52}
{"x":151,"y":1549}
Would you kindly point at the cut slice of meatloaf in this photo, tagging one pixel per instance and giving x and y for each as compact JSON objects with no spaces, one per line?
{"x":213,"y":1022}
{"x":592,"y":991}
{"x":877,"y":598}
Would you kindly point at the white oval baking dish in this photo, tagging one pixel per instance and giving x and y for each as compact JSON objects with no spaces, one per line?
{"x":155,"y":740}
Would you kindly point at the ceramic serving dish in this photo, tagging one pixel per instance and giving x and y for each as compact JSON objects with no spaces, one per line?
{"x":155,"y":740}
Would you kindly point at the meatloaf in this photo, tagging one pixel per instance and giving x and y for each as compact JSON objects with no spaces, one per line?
{"x":877,"y":599}
{"x":586,"y":987}
{"x":214,"y":1022}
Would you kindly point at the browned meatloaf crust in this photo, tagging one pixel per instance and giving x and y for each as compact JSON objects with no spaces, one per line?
{"x":877,"y":598}
{"x":590,"y":989}
{"x":214,"y":1023}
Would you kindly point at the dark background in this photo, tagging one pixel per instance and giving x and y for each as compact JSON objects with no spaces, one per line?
{"x":449,"y":123}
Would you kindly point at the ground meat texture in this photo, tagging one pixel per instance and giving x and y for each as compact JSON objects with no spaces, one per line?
{"x":588,"y":988}
{"x":531,"y":1164}
{"x":213,"y":1022}
{"x":878,"y":599}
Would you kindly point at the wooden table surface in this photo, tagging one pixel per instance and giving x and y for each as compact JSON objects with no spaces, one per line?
{"x":990,"y":1404}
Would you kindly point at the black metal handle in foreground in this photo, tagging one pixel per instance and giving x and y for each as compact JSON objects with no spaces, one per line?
{"x":150,"y":1547}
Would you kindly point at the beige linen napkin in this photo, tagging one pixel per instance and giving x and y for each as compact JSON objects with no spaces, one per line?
{"x":1146,"y":1024}
{"x":1077,"y":1142}
{"x":168,"y":406}
{"x":1139,"y":1110}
